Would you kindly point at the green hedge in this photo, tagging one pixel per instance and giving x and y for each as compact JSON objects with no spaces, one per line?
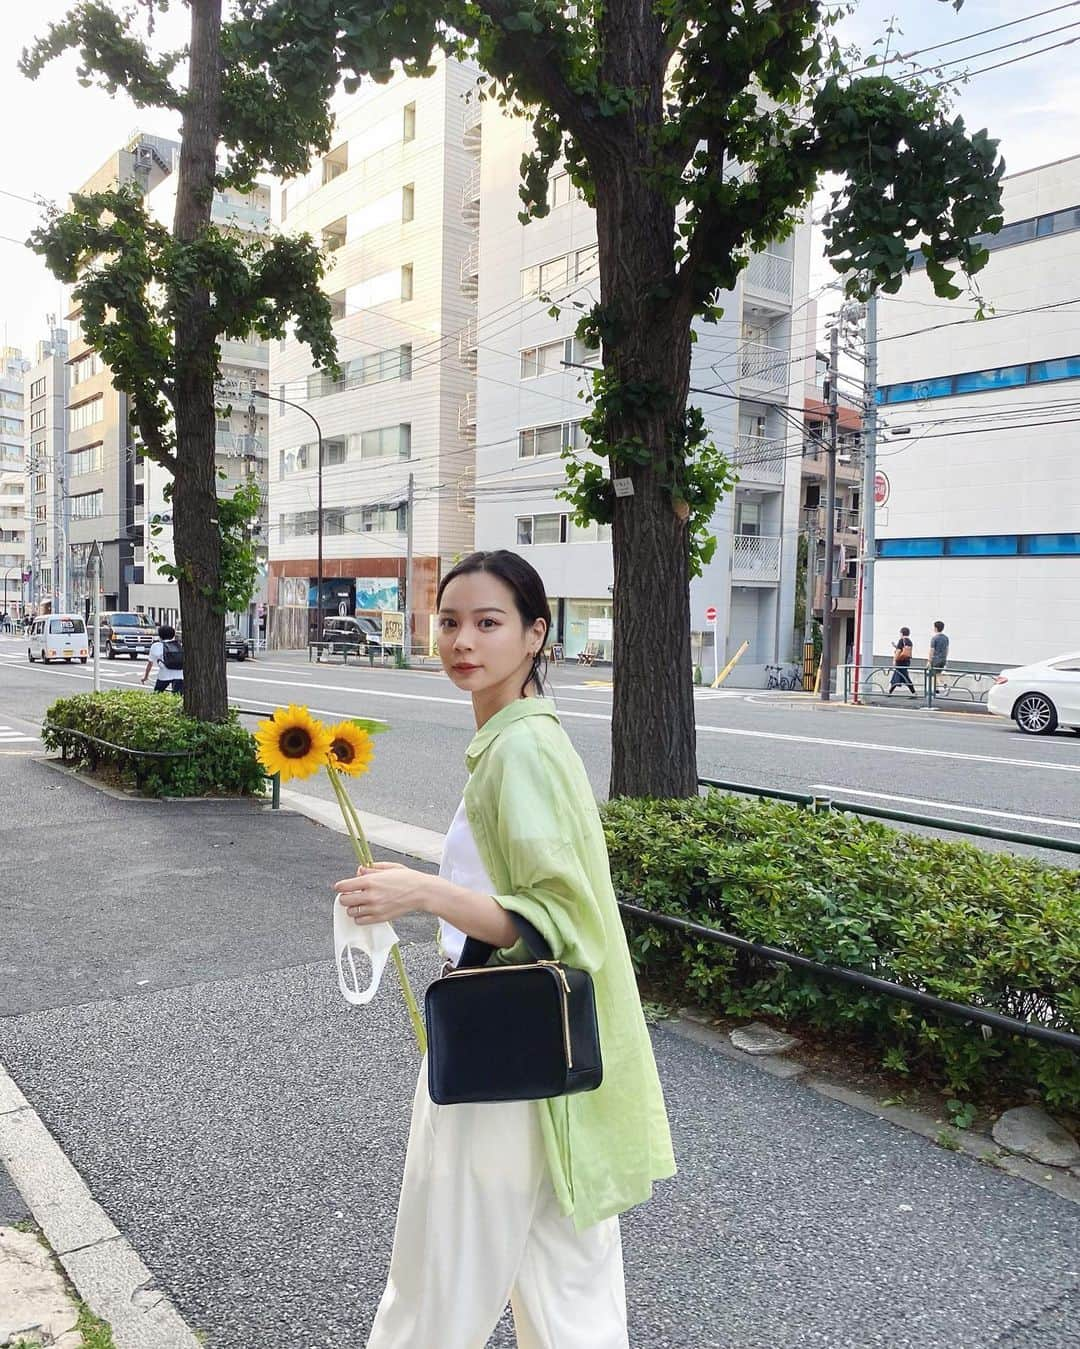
{"x":223,"y":762}
{"x":976,"y":927}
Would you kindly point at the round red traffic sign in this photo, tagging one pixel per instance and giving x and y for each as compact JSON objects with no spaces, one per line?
{"x":881,"y":488}
{"x":710,"y":614}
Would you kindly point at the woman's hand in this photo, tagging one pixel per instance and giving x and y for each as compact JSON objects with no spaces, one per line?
{"x":383,"y":892}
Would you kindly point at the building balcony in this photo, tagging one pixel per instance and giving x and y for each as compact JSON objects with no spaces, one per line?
{"x":768,"y":276}
{"x":843,"y":596}
{"x":845,"y":521}
{"x":764,"y":368}
{"x":849,"y":462}
{"x":759,"y":459}
{"x":755,"y":557}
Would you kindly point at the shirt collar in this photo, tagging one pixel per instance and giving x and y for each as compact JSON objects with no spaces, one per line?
{"x":522,"y":707}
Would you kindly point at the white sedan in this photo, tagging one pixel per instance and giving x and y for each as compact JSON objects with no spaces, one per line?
{"x":1040,"y":697}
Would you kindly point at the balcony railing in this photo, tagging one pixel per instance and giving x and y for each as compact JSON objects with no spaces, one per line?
{"x":769,"y":274}
{"x":755,"y":557}
{"x":764,"y":367}
{"x":759,"y":459}
{"x":470,"y":270}
{"x":470,"y":196}
{"x":467,"y":416}
{"x":467,"y":345}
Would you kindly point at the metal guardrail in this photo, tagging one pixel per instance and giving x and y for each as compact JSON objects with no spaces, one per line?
{"x":811,"y":802}
{"x":961,"y":1011}
{"x":966,"y":688}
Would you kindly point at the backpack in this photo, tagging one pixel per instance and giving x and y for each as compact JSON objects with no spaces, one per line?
{"x":172,"y":654}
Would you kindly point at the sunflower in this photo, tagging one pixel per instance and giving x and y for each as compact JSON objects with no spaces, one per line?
{"x":292,"y":743}
{"x":351,"y":749}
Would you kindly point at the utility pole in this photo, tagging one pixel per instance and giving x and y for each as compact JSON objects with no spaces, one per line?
{"x":409,"y":607}
{"x":865,"y":653}
{"x":95,"y":559}
{"x":830,"y":513}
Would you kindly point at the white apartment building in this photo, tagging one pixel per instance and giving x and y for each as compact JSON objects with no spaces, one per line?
{"x":395,"y":204}
{"x":529,"y":407}
{"x":14,"y":556}
{"x":47,"y":469}
{"x":981,"y":446}
{"x":241,"y":437}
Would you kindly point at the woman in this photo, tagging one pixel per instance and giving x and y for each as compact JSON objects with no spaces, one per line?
{"x":519,"y":1200}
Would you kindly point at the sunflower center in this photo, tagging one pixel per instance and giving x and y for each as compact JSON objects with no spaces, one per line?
{"x":295,"y":743}
{"x":343,"y":751}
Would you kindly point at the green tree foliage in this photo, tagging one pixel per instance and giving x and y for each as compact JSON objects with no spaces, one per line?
{"x":156,"y":301}
{"x":698,"y":130}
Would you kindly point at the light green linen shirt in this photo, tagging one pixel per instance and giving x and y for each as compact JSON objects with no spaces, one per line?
{"x":537,"y":829}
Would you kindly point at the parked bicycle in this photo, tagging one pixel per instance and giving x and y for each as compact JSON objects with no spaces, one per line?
{"x":783,"y":677}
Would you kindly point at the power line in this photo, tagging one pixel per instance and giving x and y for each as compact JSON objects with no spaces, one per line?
{"x":999,"y":65}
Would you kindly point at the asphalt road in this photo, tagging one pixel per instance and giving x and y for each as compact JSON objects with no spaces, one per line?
{"x":169,"y":1008}
{"x":971,"y":767}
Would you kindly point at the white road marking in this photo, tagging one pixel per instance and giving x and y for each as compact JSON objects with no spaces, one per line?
{"x":947,"y":805}
{"x":891,"y":749}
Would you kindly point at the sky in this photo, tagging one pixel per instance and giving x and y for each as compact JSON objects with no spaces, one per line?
{"x":58,"y":132}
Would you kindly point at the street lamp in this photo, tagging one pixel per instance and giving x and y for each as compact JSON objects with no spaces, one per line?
{"x":260,"y":393}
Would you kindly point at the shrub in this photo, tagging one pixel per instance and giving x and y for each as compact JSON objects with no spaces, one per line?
{"x":987,"y":929}
{"x":222,"y":755}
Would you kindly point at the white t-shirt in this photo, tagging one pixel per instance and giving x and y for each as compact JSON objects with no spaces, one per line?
{"x":461,"y":864}
{"x":157,"y":650}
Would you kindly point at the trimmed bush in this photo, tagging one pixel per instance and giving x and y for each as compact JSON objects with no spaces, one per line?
{"x":221,"y":763}
{"x":987,"y":929}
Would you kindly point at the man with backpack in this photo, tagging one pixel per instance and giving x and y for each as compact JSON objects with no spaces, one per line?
{"x":167,"y":655}
{"x":902,"y":650}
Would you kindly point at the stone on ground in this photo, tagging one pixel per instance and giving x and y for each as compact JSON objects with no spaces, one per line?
{"x":757,"y":1038}
{"x":1036,"y":1134}
{"x":35,"y":1306}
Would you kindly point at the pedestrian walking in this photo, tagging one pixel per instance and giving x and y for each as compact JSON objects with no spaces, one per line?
{"x":939,"y":647}
{"x":902,"y":651}
{"x":519,"y":1199}
{"x":166,"y":659}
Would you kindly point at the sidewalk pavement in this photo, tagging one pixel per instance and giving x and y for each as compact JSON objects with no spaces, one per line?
{"x":169,"y":1011}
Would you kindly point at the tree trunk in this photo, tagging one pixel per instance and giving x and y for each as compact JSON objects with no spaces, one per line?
{"x":197,"y":540}
{"x":653,"y":738}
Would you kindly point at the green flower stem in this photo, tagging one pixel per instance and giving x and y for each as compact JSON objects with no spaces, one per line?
{"x":364,"y":857}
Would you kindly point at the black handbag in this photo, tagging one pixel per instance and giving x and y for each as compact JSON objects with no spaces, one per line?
{"x":511,"y":1032}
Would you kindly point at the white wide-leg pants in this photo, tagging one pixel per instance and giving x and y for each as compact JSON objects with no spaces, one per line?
{"x":477,"y":1225}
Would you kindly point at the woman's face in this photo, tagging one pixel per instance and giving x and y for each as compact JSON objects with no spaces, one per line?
{"x":484,"y":646}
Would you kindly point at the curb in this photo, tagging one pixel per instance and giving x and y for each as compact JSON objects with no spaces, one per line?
{"x":102,"y":1264}
{"x":408,"y":839}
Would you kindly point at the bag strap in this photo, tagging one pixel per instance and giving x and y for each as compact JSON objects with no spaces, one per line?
{"x":476,"y":952}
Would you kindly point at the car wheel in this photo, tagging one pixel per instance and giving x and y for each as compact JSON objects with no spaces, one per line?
{"x":29,"y":655}
{"x":82,"y":660}
{"x":109,"y":651}
{"x":44,"y":657}
{"x":1035,"y":714}
{"x":241,"y":655}
{"x":133,"y":656}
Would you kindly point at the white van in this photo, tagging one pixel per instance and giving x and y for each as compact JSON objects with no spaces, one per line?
{"x":58,"y":637}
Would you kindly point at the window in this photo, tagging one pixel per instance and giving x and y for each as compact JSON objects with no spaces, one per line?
{"x":387,"y":442}
{"x":978,"y":381}
{"x":408,"y":203}
{"x":88,"y":506}
{"x":408,"y":122}
{"x":338,"y":303}
{"x":335,"y":451}
{"x":545,"y":360}
{"x":546,"y":276}
{"x":385,"y":519}
{"x":41,"y":482}
{"x":12,"y":427}
{"x":1047,"y":545}
{"x":536,"y":529}
{"x":1005,"y":376}
{"x":37,"y":422}
{"x":335,"y":163}
{"x":1021,"y":231}
{"x":83,"y":368}
{"x":86,"y":414}
{"x":84,"y":461}
{"x":407,"y":281}
{"x":988,"y":545}
{"x":37,"y":388}
{"x":580,"y":353}
{"x":539,"y":440}
{"x":748,"y":518}
{"x":41,"y":512}
{"x":593,"y":532}
{"x":335,"y":235}
{"x":560,"y":190}
{"x":586,"y":261}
